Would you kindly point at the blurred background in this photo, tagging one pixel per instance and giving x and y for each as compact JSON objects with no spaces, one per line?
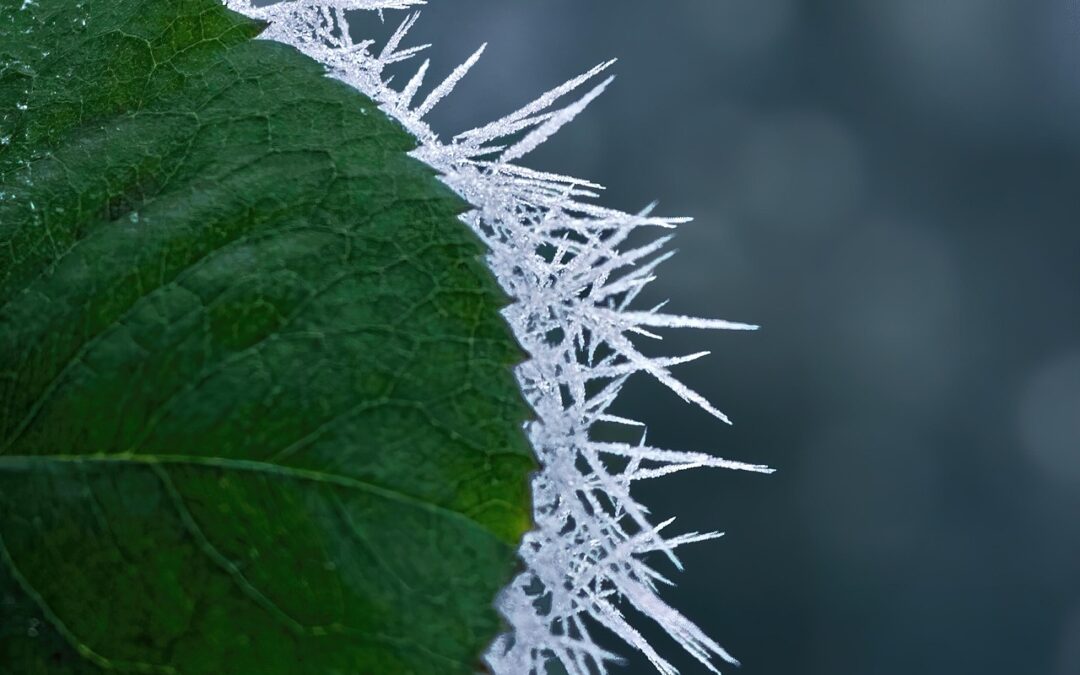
{"x":892,"y":189}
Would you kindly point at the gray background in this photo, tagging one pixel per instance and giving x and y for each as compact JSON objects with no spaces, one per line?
{"x":890,"y":187}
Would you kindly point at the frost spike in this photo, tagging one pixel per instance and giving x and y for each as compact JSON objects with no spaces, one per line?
{"x":413,"y":85}
{"x":676,"y":321}
{"x":553,"y":124}
{"x":392,"y":43}
{"x":492,"y":129}
{"x":449,"y":83}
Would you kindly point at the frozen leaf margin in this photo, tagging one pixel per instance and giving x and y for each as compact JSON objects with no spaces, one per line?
{"x":257,"y":413}
{"x":559,"y":255}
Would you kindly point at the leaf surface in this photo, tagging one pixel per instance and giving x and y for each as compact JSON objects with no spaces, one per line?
{"x":256,"y":406}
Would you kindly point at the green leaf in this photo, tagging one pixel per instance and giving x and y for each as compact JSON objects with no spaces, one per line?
{"x":256,"y":405}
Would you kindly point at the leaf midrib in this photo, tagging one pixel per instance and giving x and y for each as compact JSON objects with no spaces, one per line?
{"x":264,"y":468}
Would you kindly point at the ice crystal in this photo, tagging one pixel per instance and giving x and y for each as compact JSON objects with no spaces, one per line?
{"x":567,"y":263}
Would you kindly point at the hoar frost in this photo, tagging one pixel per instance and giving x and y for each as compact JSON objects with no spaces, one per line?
{"x":560,"y":256}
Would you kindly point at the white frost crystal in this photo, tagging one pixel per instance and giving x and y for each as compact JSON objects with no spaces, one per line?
{"x":558,"y":254}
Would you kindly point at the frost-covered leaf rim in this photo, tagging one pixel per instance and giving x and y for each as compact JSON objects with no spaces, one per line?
{"x":557,"y":253}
